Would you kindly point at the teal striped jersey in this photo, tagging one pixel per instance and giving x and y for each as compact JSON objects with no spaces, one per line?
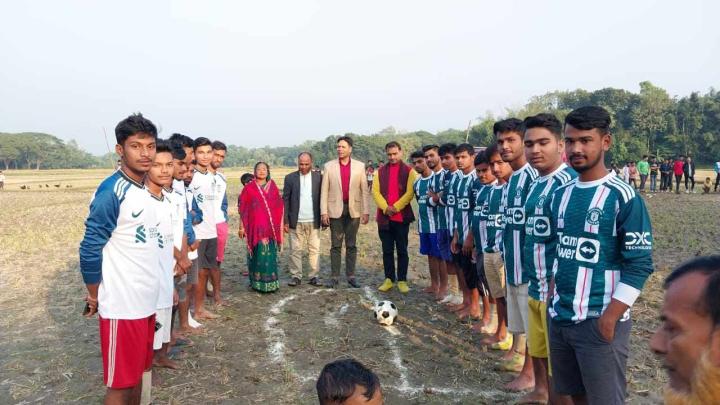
{"x":604,"y":247}
{"x":438,"y":185}
{"x":426,"y":217}
{"x":539,"y":251}
{"x":495,"y":219}
{"x":464,"y":203}
{"x":448,"y":198}
{"x":481,"y":208}
{"x":514,"y":196}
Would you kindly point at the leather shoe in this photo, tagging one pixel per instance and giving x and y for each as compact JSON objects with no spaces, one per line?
{"x":315,"y":282}
{"x":353,"y":283}
{"x":294,"y":282}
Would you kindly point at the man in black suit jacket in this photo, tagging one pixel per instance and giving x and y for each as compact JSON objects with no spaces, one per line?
{"x":301,"y":194}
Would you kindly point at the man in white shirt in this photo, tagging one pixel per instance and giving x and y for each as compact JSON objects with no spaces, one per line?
{"x":2,"y":180}
{"x":301,"y":193}
{"x":221,"y":216}
{"x":119,"y":263}
{"x":203,"y":188}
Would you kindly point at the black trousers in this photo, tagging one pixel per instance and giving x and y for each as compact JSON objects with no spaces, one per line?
{"x":677,"y":183}
{"x":394,"y":237}
{"x":717,"y":181}
{"x":692,"y":182}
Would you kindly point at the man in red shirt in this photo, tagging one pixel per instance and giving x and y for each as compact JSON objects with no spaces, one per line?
{"x":344,"y":206}
{"x":678,"y":172}
{"x":393,"y":192}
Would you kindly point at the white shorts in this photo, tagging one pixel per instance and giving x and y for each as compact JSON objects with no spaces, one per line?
{"x":517,"y":308}
{"x":163,"y":317}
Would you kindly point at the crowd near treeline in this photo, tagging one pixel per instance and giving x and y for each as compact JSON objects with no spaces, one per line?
{"x":649,"y":122}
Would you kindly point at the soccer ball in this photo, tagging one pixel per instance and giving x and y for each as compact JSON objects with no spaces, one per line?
{"x":385,"y":312}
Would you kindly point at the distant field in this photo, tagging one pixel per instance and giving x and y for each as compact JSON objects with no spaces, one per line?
{"x":269,"y":348}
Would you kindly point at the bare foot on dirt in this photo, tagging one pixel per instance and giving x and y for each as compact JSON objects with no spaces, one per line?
{"x":219,"y":302}
{"x":521,"y":383}
{"x":165,"y":363}
{"x":205,"y":315}
{"x":189,"y":330}
{"x":429,"y":290}
{"x":534,"y":397}
{"x":490,"y":340}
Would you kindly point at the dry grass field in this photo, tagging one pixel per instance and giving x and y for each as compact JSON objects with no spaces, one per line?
{"x":268,"y":349}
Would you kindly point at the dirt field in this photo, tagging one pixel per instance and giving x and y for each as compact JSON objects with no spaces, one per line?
{"x":269,"y":348}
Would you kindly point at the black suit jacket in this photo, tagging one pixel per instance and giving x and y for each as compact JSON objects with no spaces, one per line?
{"x":291,"y":197}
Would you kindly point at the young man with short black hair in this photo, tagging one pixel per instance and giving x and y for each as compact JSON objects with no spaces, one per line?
{"x":158,"y":177}
{"x":219,"y":151}
{"x":438,"y":271}
{"x":485,"y":180}
{"x":348,"y":382}
{"x":203,"y":187}
{"x":492,"y":249}
{"x":462,"y":242}
{"x":439,"y":197}
{"x":604,"y":256}
{"x":427,"y":225}
{"x":543,"y":149}
{"x":509,"y":134}
{"x":119,"y":260}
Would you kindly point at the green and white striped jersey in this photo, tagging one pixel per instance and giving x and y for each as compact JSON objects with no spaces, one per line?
{"x":514,"y":196}
{"x":464,"y":203}
{"x":495,"y":218}
{"x":426,"y":217}
{"x":438,"y":185}
{"x":604,"y":247}
{"x":481,"y":209}
{"x":448,"y":198}
{"x":539,"y":251}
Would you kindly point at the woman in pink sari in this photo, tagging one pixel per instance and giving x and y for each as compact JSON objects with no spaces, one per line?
{"x":261,"y":211}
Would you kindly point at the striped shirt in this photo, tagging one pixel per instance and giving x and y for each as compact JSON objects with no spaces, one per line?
{"x":514,"y":196}
{"x":481,"y":208}
{"x":493,"y":242}
{"x":539,"y":252}
{"x":426,"y":216}
{"x":464,"y":204}
{"x":438,"y":185}
{"x":604,"y":247}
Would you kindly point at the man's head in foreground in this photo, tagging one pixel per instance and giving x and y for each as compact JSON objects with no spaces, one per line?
{"x":688,"y":339}
{"x":348,"y":382}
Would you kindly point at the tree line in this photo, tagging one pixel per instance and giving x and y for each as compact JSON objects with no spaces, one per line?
{"x":648,"y":122}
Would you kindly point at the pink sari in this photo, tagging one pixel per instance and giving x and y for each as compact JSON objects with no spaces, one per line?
{"x":261,"y":210}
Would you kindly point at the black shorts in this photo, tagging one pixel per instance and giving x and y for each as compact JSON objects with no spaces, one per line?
{"x":207,"y":254}
{"x":467,"y":266}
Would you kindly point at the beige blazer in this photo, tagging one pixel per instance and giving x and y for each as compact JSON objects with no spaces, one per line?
{"x":331,"y":202}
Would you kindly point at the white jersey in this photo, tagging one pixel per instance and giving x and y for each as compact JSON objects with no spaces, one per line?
{"x":203,"y":188}
{"x":220,"y":198}
{"x":165,"y":239}
{"x":119,"y":249}
{"x":180,"y":211}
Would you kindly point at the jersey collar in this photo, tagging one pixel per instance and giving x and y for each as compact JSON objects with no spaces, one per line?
{"x":594,"y":183}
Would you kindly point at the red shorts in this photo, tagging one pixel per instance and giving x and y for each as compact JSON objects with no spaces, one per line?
{"x":127,"y":350}
{"x":222,"y":236}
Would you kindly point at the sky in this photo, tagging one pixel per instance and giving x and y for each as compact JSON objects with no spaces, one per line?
{"x":281,"y":72}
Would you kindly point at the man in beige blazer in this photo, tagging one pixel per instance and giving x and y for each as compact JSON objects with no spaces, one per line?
{"x":344,"y":204}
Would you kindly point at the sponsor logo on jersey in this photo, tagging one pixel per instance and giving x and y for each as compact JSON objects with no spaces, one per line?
{"x":450,"y":200}
{"x":463,"y":203}
{"x":588,"y":250}
{"x":593,"y":216}
{"x":140,"y":234}
{"x":515,"y":216}
{"x":495,"y":220}
{"x":638,"y":240}
{"x":538,"y":226}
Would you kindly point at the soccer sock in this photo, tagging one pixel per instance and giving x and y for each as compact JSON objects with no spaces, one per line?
{"x":146,"y":395}
{"x":453,"y":287}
